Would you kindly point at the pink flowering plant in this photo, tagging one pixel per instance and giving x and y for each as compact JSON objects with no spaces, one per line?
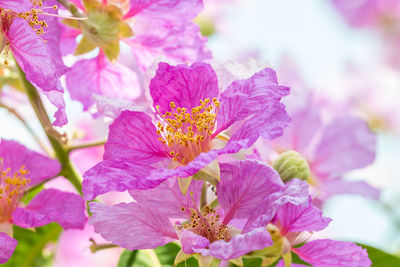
{"x":193,"y":171}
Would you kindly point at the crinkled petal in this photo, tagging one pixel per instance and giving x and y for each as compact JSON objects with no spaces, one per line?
{"x":346,"y":144}
{"x":16,"y":5}
{"x":57,"y":99}
{"x":299,"y":218}
{"x":331,"y":253}
{"x":117,"y":174}
{"x":268,"y":124}
{"x":101,"y":77}
{"x":247,"y":97}
{"x":168,"y":198}
{"x":339,"y":186}
{"x":184,"y":85}
{"x":133,"y":136}
{"x":132,"y":226}
{"x":192,"y":242}
{"x":39,"y":63}
{"x":52,"y":205}
{"x":182,"y":10}
{"x":239,"y":245}
{"x":243,"y":187}
{"x":7,"y":247}
{"x":15,"y":155}
{"x":159,"y":40}
{"x":296,"y":192}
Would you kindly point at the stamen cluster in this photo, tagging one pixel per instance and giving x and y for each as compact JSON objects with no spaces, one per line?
{"x":187,"y":134}
{"x":206,"y":223}
{"x":12,"y":188}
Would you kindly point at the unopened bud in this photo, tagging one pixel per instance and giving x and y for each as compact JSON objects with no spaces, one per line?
{"x":291,"y":164}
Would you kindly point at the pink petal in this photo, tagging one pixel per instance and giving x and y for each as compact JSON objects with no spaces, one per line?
{"x":40,"y":167}
{"x":52,"y":205}
{"x":331,"y":253}
{"x":299,"y":218}
{"x":7,"y":247}
{"x":101,"y":77}
{"x":168,"y":198}
{"x":192,"y":242}
{"x":244,"y":186}
{"x":239,"y":245}
{"x":132,"y":226}
{"x":339,"y":186}
{"x":133,"y":135}
{"x":184,"y":10}
{"x":346,"y":144}
{"x":184,"y":85}
{"x":117,"y":174}
{"x":246,"y":97}
{"x":296,"y":192}
{"x":16,"y":5}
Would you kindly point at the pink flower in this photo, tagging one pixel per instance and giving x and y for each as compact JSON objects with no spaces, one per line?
{"x":191,"y":115}
{"x":154,"y":28}
{"x":21,"y":169}
{"x":295,"y":224}
{"x":332,"y":149}
{"x":249,"y":195}
{"x":33,"y":39}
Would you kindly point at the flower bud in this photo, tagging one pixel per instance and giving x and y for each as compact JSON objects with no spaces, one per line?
{"x":291,"y":164}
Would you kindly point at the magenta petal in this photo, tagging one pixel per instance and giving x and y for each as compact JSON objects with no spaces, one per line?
{"x":15,"y":155}
{"x":296,"y":192}
{"x":117,"y":174}
{"x":7,"y":247}
{"x":192,"y":242}
{"x":339,"y":186}
{"x":132,"y":226}
{"x":184,"y":85}
{"x":101,"y":77}
{"x":331,"y":253}
{"x":168,"y":198}
{"x":346,"y":144}
{"x":52,"y":205}
{"x":246,"y":97}
{"x":268,"y":124}
{"x":299,"y":218}
{"x":16,"y":5}
{"x":239,"y":245}
{"x":243,"y":187}
{"x":133,"y":135}
{"x":184,"y":10}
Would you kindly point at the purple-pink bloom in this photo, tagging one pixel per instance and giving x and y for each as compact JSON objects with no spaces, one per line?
{"x":160,"y":29}
{"x":164,"y":214}
{"x":36,"y":48}
{"x":21,"y":169}
{"x":331,"y":149}
{"x":187,"y":131}
{"x":296,"y":224}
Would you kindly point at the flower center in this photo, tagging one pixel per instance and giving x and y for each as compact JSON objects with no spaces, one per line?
{"x":12,"y":188}
{"x":206,"y":224}
{"x":187,"y":134}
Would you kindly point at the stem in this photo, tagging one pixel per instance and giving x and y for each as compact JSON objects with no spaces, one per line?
{"x":87,"y":145}
{"x":96,"y":247}
{"x":54,"y":137}
{"x":28,"y":128}
{"x":71,"y":8}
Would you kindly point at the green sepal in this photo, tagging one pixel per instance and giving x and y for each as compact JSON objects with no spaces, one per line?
{"x":111,"y":51}
{"x":84,"y":46}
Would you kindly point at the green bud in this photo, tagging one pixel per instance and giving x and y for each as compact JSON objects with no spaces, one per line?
{"x":291,"y":164}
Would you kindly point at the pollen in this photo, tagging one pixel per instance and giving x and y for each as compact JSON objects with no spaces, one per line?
{"x":12,"y":189}
{"x":188,"y":133}
{"x":206,"y":223}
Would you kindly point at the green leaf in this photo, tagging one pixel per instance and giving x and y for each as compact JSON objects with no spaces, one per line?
{"x":380,"y":258}
{"x":165,"y":255}
{"x":32,"y":249}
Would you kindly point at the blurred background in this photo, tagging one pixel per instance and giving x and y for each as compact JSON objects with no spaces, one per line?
{"x":313,"y":45}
